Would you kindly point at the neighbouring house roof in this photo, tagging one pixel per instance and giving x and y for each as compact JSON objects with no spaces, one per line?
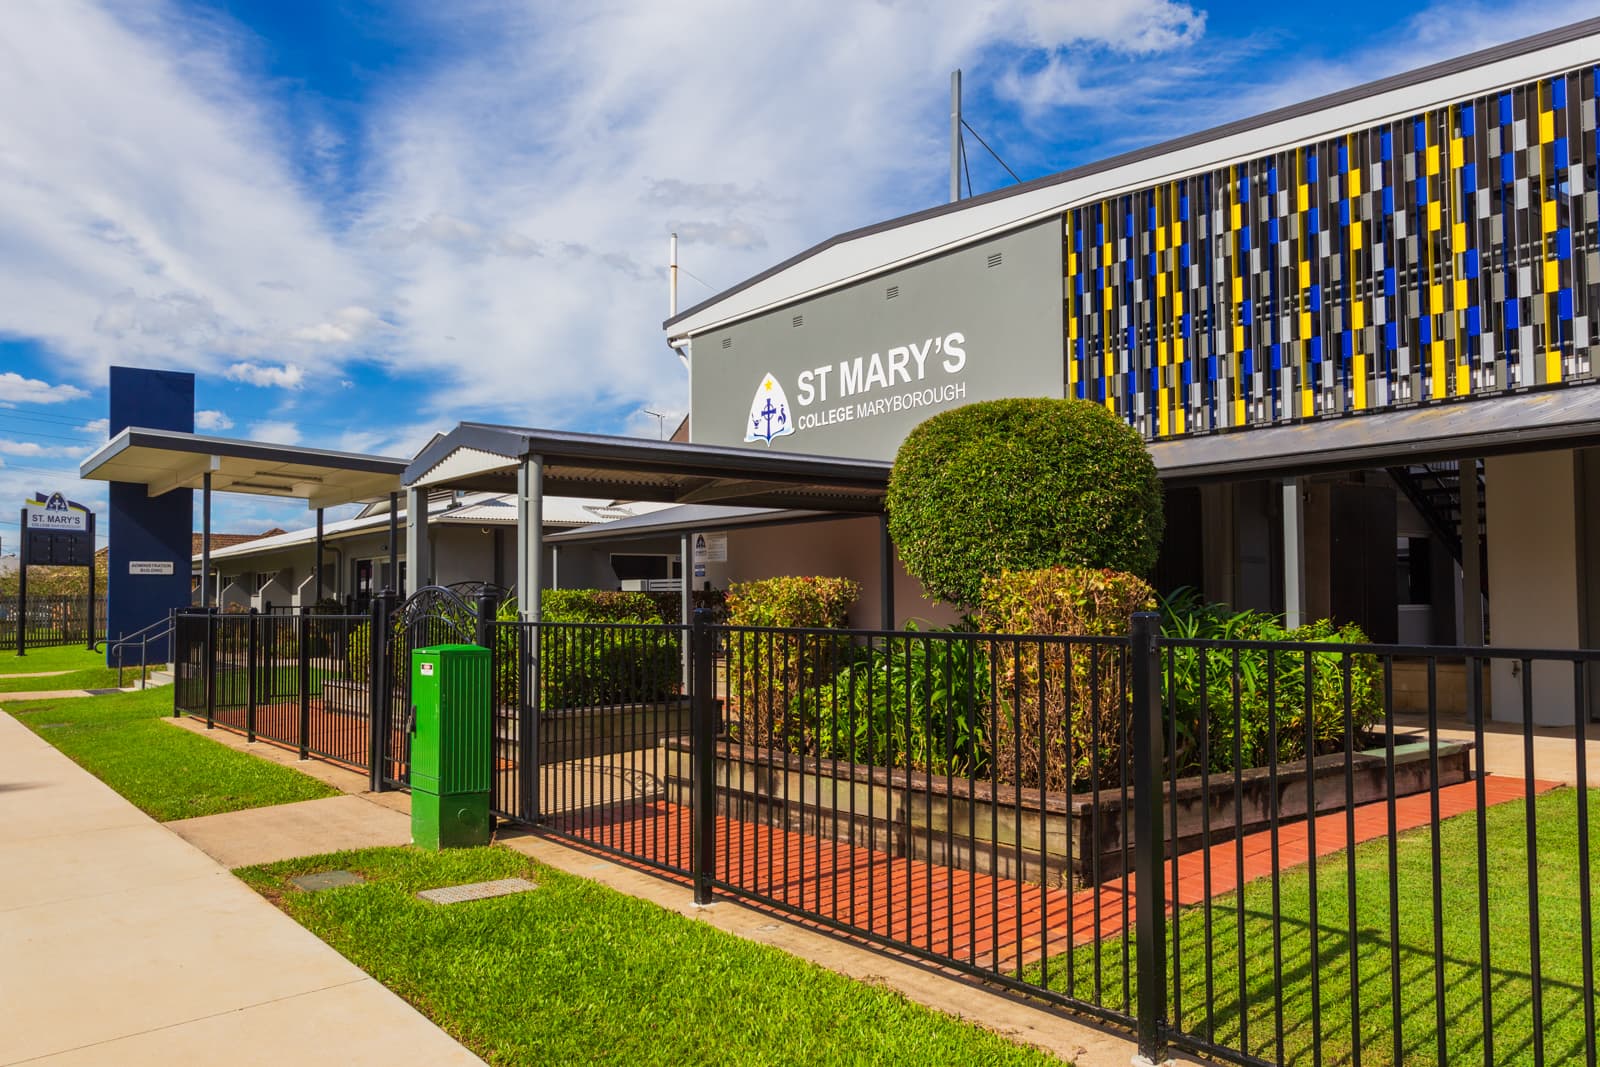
{"x":228,"y":540}
{"x":470,"y":509}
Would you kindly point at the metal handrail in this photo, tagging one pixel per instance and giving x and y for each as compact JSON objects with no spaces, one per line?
{"x":145,"y":637}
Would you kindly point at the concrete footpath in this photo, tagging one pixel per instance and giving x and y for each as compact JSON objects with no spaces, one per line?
{"x":120,"y":943}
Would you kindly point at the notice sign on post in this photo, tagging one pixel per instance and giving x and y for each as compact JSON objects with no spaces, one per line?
{"x":711,"y":548}
{"x":57,"y":532}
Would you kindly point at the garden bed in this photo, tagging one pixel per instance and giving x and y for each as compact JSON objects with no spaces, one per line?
{"x":579,"y":733}
{"x":1060,"y":839}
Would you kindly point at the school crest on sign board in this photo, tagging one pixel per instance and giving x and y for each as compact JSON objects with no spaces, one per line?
{"x":769,"y":413}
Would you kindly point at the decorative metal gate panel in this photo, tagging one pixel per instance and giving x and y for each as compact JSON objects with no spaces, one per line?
{"x":432,"y":615}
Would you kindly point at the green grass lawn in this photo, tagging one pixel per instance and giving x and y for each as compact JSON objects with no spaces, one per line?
{"x":577,"y":973}
{"x":167,"y":772}
{"x":55,"y":658}
{"x":1509,"y":957}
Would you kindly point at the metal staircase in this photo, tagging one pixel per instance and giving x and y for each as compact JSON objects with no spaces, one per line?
{"x":1434,"y":489}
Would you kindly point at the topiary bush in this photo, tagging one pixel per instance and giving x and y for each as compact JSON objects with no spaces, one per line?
{"x":1037,"y":743}
{"x":768,"y":671}
{"x":1018,"y":485}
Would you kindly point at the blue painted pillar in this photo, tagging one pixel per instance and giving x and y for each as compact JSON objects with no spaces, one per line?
{"x":143,"y":528}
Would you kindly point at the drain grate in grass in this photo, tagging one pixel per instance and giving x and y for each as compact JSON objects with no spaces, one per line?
{"x":313,"y":883}
{"x":458,"y":894}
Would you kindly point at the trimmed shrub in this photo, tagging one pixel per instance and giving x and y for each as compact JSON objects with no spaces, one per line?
{"x":1203,"y":690}
{"x":1038,"y":681}
{"x":768,"y":672}
{"x":1016,"y":485}
{"x":801,"y":601}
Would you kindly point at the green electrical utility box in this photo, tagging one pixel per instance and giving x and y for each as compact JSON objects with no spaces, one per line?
{"x":452,"y":738}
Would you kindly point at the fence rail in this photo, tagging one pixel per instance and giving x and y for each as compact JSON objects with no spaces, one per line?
{"x":1264,"y":852}
{"x":51,"y":620}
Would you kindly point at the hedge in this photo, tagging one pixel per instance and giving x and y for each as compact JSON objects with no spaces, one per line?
{"x":1018,"y":485}
{"x":768,"y":673}
{"x":1041,"y":679}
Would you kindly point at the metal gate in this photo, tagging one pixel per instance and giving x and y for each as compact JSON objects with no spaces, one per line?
{"x":432,"y":615}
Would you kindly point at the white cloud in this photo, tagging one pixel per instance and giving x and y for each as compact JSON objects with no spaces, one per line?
{"x":212,"y":420}
{"x":288,"y":376}
{"x":146,"y":195}
{"x":96,"y":428}
{"x":35,"y":449}
{"x":275,"y":431}
{"x":15,"y":389}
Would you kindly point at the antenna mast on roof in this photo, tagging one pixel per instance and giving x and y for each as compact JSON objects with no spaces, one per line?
{"x":955,"y":135}
{"x":672,"y":277}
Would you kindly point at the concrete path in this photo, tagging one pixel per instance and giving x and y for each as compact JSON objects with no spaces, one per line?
{"x":122,"y":943}
{"x":62,"y":694}
{"x":1555,"y":748}
{"x":34,"y":674}
{"x":285,"y":831}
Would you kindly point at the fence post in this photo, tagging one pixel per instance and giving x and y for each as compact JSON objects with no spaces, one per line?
{"x":211,"y":669}
{"x":1149,"y":837}
{"x":252,"y":659}
{"x":378,"y":690}
{"x":702,"y":754}
{"x":528,"y":752}
{"x":303,"y":654}
{"x":487,"y":605}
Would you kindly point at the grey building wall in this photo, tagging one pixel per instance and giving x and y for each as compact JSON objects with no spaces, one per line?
{"x":853,"y":371}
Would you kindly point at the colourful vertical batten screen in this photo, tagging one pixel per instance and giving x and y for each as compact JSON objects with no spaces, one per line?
{"x":1448,"y":254}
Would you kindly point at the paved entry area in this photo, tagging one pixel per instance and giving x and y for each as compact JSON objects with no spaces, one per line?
{"x":976,"y":918}
{"x":120,"y":943}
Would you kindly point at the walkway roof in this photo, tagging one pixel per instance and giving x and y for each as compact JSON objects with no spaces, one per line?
{"x":487,"y":457}
{"x":164,"y":460}
{"x":1523,"y":422}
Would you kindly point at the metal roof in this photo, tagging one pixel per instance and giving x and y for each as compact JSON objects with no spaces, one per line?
{"x":871,"y":250}
{"x":687,"y":518}
{"x":164,"y":460}
{"x":1524,"y":422}
{"x":487,"y":457}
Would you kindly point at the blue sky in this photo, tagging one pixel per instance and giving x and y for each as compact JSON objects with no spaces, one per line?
{"x":360,"y":222}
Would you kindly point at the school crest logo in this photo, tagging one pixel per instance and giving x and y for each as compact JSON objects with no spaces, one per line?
{"x":769,"y":413}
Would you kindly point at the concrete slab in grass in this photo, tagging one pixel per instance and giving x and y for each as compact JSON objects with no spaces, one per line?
{"x":288,"y":831}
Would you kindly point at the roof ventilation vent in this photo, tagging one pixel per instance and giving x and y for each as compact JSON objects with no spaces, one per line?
{"x":799,"y":320}
{"x":891,"y":292}
{"x":994,"y":258}
{"x":727,"y":342}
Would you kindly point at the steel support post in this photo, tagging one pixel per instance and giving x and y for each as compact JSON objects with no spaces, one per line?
{"x":303,"y":657}
{"x":211,"y":669}
{"x":205,"y":539}
{"x":1149,"y":837}
{"x":378,"y":690}
{"x":252,"y":658}
{"x":703,"y":710}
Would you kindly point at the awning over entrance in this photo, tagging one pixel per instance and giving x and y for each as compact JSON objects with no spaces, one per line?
{"x":164,"y":460}
{"x":487,"y":457}
{"x":1525,"y":422}
{"x":536,"y":463}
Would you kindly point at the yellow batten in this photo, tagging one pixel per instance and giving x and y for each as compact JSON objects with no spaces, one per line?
{"x":1358,"y":376}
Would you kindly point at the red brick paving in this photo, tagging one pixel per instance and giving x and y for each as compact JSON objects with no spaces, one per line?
{"x":975,"y":918}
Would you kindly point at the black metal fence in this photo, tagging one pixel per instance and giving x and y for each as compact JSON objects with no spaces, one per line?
{"x":51,"y":620}
{"x":1263,"y":852}
{"x":299,"y":681}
